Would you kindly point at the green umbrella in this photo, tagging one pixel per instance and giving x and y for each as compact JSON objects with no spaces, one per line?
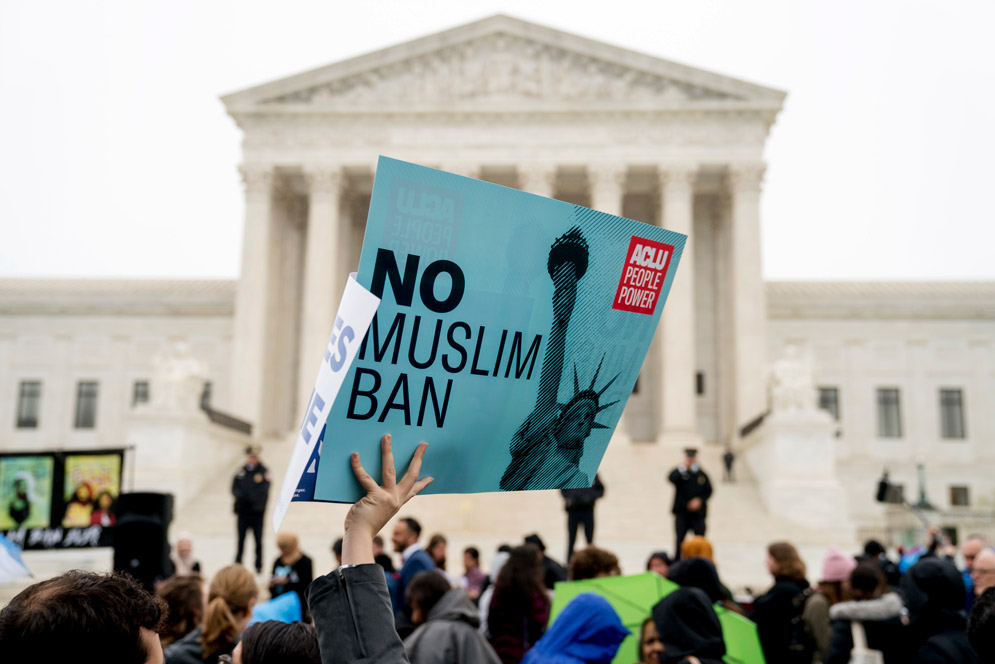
{"x":633,"y":598}
{"x":740,"y":635}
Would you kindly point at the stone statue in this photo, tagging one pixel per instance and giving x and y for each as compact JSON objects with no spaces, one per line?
{"x":547,"y":447}
{"x":178,"y":378}
{"x":792,"y":384}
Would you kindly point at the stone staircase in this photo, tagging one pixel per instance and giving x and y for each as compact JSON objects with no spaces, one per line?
{"x":632,"y":520}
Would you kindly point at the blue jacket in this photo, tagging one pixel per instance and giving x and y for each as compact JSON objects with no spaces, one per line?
{"x":418,"y":562}
{"x":587,"y":631}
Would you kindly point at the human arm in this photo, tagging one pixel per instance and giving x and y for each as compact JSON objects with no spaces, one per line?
{"x":356,"y":594}
{"x":815,"y":615}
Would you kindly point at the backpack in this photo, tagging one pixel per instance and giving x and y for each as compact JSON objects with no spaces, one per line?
{"x":801,"y":648}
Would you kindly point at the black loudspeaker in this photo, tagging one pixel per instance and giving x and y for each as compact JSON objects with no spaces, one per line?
{"x":141,"y":536}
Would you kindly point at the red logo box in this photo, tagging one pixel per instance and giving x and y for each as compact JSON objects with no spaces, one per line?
{"x":643,"y":274}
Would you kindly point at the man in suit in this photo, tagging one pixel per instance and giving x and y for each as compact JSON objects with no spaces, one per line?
{"x":692,"y":489}
{"x":414,"y":559}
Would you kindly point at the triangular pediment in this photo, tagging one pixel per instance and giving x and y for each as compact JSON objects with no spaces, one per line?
{"x":502,"y":64}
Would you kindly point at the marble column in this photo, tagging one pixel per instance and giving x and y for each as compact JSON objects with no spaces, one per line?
{"x":321,"y":274}
{"x":678,"y":410}
{"x":251,"y":298}
{"x":747,"y":301}
{"x":538,"y":179}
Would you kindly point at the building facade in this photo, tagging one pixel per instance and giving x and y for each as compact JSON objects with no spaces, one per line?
{"x":907,"y":370}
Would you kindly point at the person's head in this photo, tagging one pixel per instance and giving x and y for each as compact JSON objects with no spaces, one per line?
{"x":184,"y":597}
{"x":934,"y":594}
{"x":690,"y":456}
{"x":971,"y":547}
{"x":698,"y":573}
{"x":521,"y":575}
{"x":649,"y":643}
{"x":592,"y":563}
{"x":437,"y":550}
{"x":836,"y":569}
{"x":230,"y":599}
{"x":783,"y":561}
{"x":252,"y":455}
{"x":688,"y":626}
{"x":274,"y":642}
{"x":337,"y":550}
{"x":873,"y":548}
{"x":104,"y":501}
{"x":184,"y":545}
{"x":289,"y":546}
{"x":658,"y":562}
{"x":574,"y":424}
{"x":471,"y":558}
{"x":423,"y":593}
{"x":406,"y":532}
{"x":983,"y":572}
{"x":866,"y":580}
{"x":588,"y":629}
{"x":377,"y":546}
{"x":696,"y":546}
{"x":83,"y":493}
{"x":981,"y":626}
{"x":85,"y":618}
{"x":537,"y":542}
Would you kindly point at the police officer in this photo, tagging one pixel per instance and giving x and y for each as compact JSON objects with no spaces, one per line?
{"x":691,"y":493}
{"x":251,"y":490}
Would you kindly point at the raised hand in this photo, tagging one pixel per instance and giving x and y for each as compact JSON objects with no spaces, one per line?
{"x":372,"y":512}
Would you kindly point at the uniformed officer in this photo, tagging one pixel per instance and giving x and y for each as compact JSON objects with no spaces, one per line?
{"x":251,"y":490}
{"x":691,"y":492}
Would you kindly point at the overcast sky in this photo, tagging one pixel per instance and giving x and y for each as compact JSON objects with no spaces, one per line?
{"x":117,"y":158}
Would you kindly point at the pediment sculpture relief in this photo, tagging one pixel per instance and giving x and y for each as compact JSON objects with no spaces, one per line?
{"x":499,"y":67}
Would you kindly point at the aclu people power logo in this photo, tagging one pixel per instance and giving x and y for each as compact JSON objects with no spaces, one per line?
{"x":645,"y":270}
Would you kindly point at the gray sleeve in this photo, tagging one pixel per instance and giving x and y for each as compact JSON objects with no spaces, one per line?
{"x":353,"y":618}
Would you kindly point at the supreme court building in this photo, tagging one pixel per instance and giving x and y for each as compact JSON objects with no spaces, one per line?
{"x":904,"y":373}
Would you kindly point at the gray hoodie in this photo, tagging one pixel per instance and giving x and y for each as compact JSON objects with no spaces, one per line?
{"x":450,"y":635}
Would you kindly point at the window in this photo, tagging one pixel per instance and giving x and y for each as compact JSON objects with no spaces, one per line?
{"x":699,"y":383}
{"x":952,"y":414}
{"x":959,"y":496}
{"x":86,"y":404}
{"x":829,"y":401}
{"x":28,"y":404}
{"x":140,"y":392}
{"x":889,"y":413}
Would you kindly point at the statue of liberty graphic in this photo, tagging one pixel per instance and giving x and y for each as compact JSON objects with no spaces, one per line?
{"x":547,"y":447}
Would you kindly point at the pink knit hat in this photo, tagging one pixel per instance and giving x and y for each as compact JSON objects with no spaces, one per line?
{"x":837,"y":565}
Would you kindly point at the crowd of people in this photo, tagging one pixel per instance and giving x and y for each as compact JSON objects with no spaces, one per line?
{"x":922,"y":609}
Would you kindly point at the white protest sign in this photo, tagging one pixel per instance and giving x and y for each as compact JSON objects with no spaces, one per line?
{"x":352,"y":320}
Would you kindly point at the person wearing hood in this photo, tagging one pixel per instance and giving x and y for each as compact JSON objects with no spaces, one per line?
{"x":688,"y":628}
{"x":587,"y":631}
{"x":700,"y":573}
{"x":879,"y":616}
{"x":935,"y":595}
{"x":446,"y":624}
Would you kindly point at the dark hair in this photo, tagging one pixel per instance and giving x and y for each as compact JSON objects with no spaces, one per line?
{"x":520,"y":580}
{"x":536,"y":541}
{"x":472,"y":550}
{"x":412,"y":525}
{"x":184,"y":598}
{"x":285,"y":643}
{"x":662,"y":556}
{"x":504,"y":548}
{"x":789,"y":563}
{"x":865,"y":579}
{"x":432,"y":542}
{"x":425,"y":591}
{"x":80,"y":617}
{"x":378,"y":541}
{"x":981,"y":626}
{"x":337,"y":547}
{"x":592,"y":562}
{"x":873,"y":548}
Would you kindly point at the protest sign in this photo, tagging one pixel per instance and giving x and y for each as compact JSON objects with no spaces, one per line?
{"x":510,"y":333}
{"x":352,"y":319}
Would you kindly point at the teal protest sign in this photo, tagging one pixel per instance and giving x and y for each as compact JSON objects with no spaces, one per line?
{"x":509,"y":335}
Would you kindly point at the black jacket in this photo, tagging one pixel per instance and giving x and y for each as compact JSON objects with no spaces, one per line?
{"x":882,"y":621}
{"x":189,"y":650}
{"x":583,"y":499}
{"x":251,"y":489}
{"x":934,"y":594}
{"x":773,"y":613}
{"x":353,"y":618}
{"x":690,"y":484}
{"x":688,"y":627}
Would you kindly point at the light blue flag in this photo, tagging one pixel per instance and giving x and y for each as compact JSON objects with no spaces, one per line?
{"x":11,"y":565}
{"x":510,"y":334}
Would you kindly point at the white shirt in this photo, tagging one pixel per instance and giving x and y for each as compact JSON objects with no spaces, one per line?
{"x":410,"y":551}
